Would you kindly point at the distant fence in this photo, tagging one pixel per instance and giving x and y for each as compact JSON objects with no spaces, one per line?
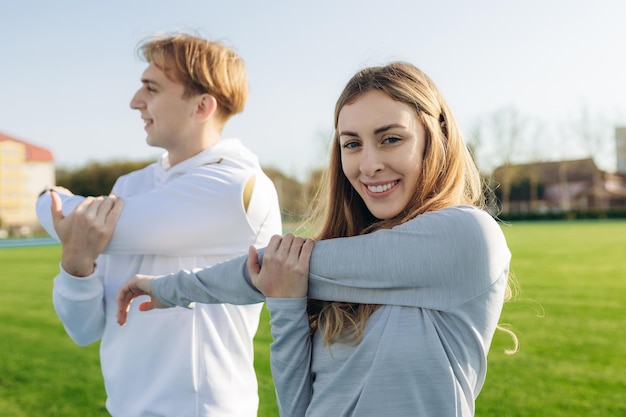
{"x":566,"y":215}
{"x":24,"y":242}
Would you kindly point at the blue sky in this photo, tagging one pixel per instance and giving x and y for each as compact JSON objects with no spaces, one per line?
{"x":69,"y":67}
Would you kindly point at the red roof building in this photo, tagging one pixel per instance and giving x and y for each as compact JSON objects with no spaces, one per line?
{"x":25,"y":170}
{"x":33,"y":152}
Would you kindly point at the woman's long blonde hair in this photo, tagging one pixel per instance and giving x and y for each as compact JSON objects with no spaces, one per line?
{"x":449,"y":177}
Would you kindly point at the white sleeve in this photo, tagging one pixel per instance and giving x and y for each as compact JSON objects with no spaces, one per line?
{"x":79,"y":303}
{"x":199,"y":213}
{"x":44,"y":214}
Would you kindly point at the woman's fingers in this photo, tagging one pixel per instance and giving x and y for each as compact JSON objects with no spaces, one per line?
{"x":136,"y":286}
{"x":305,"y":252}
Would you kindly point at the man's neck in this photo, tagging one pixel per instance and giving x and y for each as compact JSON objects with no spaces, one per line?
{"x":180,"y":154}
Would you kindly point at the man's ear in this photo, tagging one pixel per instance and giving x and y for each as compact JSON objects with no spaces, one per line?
{"x":205,"y":107}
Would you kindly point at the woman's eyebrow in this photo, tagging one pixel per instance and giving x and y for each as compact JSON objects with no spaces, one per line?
{"x":387,"y":127}
{"x":348,"y":133}
{"x":376,"y":131}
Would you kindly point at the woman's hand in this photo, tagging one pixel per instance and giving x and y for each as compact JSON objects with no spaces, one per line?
{"x":136,"y":286}
{"x":285,"y":269}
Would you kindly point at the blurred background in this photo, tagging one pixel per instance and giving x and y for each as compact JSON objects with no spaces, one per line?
{"x":537,"y":87}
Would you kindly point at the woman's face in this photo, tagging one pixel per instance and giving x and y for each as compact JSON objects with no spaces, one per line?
{"x":382,"y":150}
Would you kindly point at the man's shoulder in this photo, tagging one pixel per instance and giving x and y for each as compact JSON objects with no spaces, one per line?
{"x":135,"y":178}
{"x":228,"y":160}
{"x":138,"y":173}
{"x":233,"y":153}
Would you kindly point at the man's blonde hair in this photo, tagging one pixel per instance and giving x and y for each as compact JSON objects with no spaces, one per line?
{"x":202,"y":67}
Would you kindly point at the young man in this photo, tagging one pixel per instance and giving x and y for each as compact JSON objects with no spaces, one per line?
{"x":206,"y":200}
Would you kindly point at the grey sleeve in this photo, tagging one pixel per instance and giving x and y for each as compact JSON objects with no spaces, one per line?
{"x":226,"y":282}
{"x":290,"y":357}
{"x":437,"y":260}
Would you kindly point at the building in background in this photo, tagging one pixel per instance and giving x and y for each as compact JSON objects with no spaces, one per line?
{"x":558,"y":186}
{"x":25,"y":170}
{"x":562,"y":186}
{"x":620,"y":144}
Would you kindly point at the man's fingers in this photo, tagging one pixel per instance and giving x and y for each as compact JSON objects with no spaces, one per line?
{"x":56,"y":208}
{"x":61,"y":190}
{"x":101,"y":212}
{"x":115,"y":212}
{"x":97,"y":208}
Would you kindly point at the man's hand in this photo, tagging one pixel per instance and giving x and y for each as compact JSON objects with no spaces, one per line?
{"x":86,"y":231}
{"x":285,"y":269}
{"x":60,"y":190}
{"x":136,"y":286}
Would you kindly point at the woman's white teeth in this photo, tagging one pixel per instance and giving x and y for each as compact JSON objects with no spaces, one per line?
{"x":381,"y":188}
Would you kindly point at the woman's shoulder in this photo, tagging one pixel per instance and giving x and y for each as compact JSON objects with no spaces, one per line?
{"x":463,"y":210}
{"x":455,"y":215}
{"x":462,"y":223}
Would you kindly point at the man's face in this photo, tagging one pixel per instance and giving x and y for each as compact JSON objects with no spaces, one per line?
{"x":168,"y":117}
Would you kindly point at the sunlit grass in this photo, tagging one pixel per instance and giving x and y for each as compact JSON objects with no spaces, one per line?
{"x":569,"y":318}
{"x":42,"y":372}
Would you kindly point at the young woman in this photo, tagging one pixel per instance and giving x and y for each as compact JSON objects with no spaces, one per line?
{"x":406,"y":281}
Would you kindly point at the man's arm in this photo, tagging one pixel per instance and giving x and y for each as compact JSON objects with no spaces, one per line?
{"x":78,"y":292}
{"x":196,"y":214}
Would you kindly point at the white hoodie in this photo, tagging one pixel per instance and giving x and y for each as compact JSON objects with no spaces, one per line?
{"x":185,"y":362}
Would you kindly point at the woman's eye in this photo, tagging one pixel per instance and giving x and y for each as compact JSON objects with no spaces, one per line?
{"x":391,"y":139}
{"x":351,"y":145}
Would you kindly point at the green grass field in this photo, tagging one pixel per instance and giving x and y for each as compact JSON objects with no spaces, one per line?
{"x":569,"y":317}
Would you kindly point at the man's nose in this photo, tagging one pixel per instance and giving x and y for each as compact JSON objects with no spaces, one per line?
{"x":137,"y":101}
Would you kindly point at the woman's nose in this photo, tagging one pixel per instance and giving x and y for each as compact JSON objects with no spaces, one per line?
{"x":371,"y":162}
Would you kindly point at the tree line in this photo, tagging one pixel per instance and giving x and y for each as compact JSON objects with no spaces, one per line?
{"x":98,"y":178}
{"x":502,"y":138}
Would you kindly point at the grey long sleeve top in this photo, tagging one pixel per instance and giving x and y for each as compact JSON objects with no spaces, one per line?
{"x":441,"y":278}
